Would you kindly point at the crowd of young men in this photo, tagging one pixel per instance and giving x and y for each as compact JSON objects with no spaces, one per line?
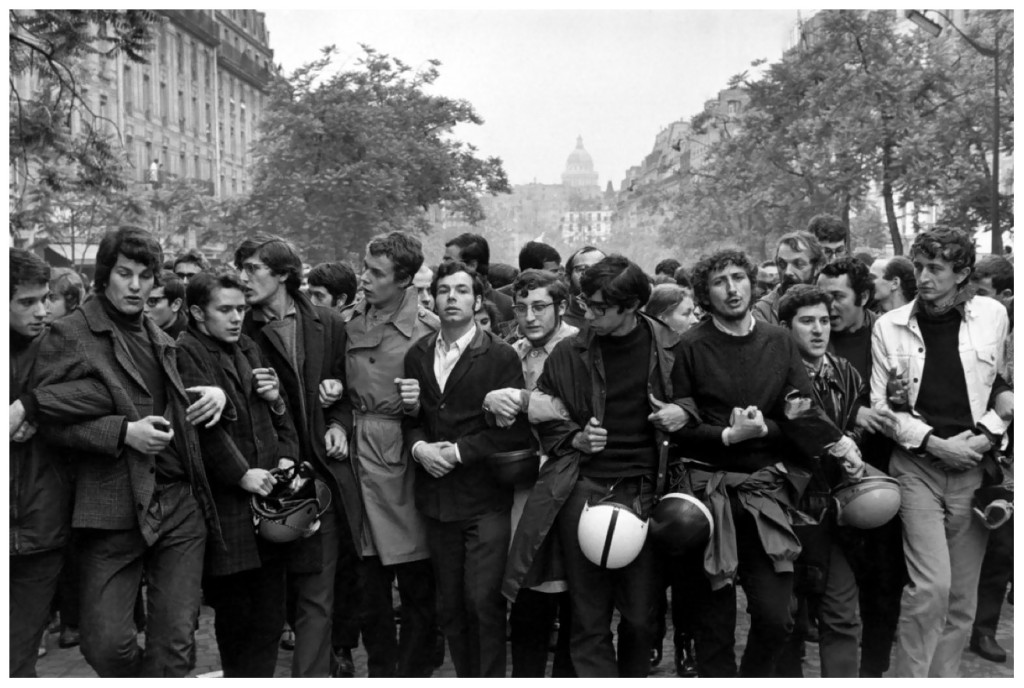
{"x":145,"y":416}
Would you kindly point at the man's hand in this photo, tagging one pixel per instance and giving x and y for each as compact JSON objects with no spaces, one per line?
{"x":151,"y":435}
{"x":24,"y":433}
{"x":208,"y":407}
{"x":17,"y":416}
{"x":1004,"y":405}
{"x":337,"y":442}
{"x":430,"y":456}
{"x":897,"y":389}
{"x":878,"y":421}
{"x":958,"y":453}
{"x":257,"y":481}
{"x":409,"y":389}
{"x":668,"y":417}
{"x":591,"y":439}
{"x":746,"y":424}
{"x":330,"y":391}
{"x":268,"y":386}
{"x":504,"y":403}
{"x":848,"y":453}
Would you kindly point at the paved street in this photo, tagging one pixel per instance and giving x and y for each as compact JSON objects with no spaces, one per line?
{"x":69,"y":663}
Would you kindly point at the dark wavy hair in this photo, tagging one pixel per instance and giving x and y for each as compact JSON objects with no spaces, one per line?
{"x":337,"y":278}
{"x":901,"y":267}
{"x":133,"y":243}
{"x":952,"y":245}
{"x":856,"y":273}
{"x":534,"y":254}
{"x":719,"y":260}
{"x":472,"y":247}
{"x":193,"y":256}
{"x":199,"y":291}
{"x":277,"y":254}
{"x":621,"y":281}
{"x":27,"y":268}
{"x":800,"y":296}
{"x":404,"y":250}
{"x":174,"y":287}
{"x":529,"y":280}
{"x":452,"y":267}
{"x":999,"y":269}
{"x":827,"y":227}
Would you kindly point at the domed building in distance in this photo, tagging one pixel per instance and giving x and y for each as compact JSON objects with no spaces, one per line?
{"x":579,"y":177}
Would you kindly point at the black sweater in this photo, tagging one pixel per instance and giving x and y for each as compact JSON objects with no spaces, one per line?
{"x":722,"y":372}
{"x":942,"y":398}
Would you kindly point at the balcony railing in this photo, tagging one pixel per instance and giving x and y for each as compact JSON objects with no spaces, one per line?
{"x":197,"y":23}
{"x":242,"y":66}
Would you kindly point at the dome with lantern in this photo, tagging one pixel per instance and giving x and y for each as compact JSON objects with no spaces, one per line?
{"x":579,"y":171}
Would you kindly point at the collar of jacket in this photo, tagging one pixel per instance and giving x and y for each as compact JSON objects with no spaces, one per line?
{"x":904,"y":314}
{"x":303,"y":306}
{"x":99,"y":321}
{"x":404,"y":318}
{"x":215,"y":346}
{"x":480,"y":343}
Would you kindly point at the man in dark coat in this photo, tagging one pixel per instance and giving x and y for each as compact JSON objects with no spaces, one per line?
{"x":447,"y":376}
{"x":245,"y":580}
{"x":141,"y":494}
{"x":305,"y":344}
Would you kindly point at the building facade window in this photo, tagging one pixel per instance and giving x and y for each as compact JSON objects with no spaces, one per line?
{"x":193,"y":62}
{"x":180,"y":45}
{"x":147,"y":96}
{"x":164,"y":105}
{"x":129,"y":91}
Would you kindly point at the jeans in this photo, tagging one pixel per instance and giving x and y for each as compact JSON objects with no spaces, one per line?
{"x":314,"y":603}
{"x":410,"y":655}
{"x":112,"y":562}
{"x":944,"y":546}
{"x":33,"y":583}
{"x":595,"y":592}
{"x":996,"y":572}
{"x":469,"y":561}
{"x":249,"y":608}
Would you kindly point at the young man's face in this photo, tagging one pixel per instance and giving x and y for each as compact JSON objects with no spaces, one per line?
{"x":846,"y":314}
{"x":222,"y":317}
{"x":937,"y":282}
{"x":320,"y":296}
{"x":729,"y":293}
{"x":810,"y":328}
{"x":795,"y":267}
{"x":378,"y":280}
{"x":456,"y":302}
{"x":186,"y":271}
{"x":833,"y":250}
{"x":580,"y":265}
{"x":483,"y":320}
{"x":30,"y":307}
{"x":129,"y":286}
{"x":159,"y":309}
{"x":983,"y":287}
{"x":421,"y":280}
{"x":537,"y":315}
{"x":605,"y":319}
{"x":261,"y":285}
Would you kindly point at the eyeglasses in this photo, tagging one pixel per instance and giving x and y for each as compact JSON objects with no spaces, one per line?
{"x":832,"y":253}
{"x":535,"y":308}
{"x":154,"y":301}
{"x":252,"y":268}
{"x":599,"y":308}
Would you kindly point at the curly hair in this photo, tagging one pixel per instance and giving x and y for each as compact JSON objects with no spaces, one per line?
{"x":800,"y":296}
{"x":531,"y":279}
{"x":856,"y":273}
{"x":827,"y":227}
{"x":952,"y":245}
{"x":709,"y":265}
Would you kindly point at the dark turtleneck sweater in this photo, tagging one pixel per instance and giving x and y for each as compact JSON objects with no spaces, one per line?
{"x":169,"y":466}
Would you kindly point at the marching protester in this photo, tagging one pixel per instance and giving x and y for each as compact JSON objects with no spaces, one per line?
{"x":895,"y":284}
{"x":165,"y":305}
{"x":798,"y":258}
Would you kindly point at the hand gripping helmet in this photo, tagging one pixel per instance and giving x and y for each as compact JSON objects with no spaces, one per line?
{"x":610,"y":534}
{"x":993,"y":504}
{"x":869,"y":502}
{"x":680,"y":523}
{"x":292,"y":510}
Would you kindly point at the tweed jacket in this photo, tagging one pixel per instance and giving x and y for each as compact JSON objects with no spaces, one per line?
{"x":321,"y":356}
{"x":114,"y":482}
{"x":456,"y":415}
{"x":252,"y":437}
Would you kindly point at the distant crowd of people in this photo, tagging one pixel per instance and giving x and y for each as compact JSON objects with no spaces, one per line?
{"x":520,"y":453}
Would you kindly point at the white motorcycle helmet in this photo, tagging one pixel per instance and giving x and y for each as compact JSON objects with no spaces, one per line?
{"x":611,"y":535}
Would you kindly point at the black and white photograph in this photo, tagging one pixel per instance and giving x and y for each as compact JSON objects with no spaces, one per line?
{"x":511,"y":342}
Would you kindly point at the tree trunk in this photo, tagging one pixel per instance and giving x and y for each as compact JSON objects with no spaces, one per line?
{"x":890,"y":206}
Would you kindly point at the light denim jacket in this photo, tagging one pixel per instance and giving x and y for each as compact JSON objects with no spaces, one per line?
{"x":896,"y":341}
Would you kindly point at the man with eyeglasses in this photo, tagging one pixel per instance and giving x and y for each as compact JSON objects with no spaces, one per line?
{"x":166,"y":305}
{"x":305,"y":345}
{"x":832,"y":234}
{"x":615,"y":382}
{"x":799,"y":257}
{"x":540,"y":299}
{"x":574,"y":269}
{"x":188,"y":264}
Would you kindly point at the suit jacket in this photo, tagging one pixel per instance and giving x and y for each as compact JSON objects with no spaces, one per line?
{"x":115,"y":483}
{"x":321,"y":356}
{"x":252,"y":436}
{"x":456,"y":415}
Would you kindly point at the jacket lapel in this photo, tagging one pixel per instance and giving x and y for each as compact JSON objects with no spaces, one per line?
{"x":427,"y":348}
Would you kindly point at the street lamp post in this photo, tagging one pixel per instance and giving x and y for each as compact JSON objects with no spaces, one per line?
{"x":934,"y":30}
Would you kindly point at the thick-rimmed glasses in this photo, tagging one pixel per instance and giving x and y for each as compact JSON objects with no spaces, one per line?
{"x":535,"y":308}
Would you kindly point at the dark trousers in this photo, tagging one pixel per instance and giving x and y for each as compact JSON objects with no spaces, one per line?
{"x":996,"y":572}
{"x":595,"y":593}
{"x":314,"y":603}
{"x":112,"y":562}
{"x":33,"y":583}
{"x":714,"y":611}
{"x":249,"y":608}
{"x":531,"y":619}
{"x":410,"y":655}
{"x":345,"y":629}
{"x":469,"y":561}
{"x":66,"y":600}
{"x":682,"y":618}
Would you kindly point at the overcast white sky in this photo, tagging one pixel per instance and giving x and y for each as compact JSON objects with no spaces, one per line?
{"x":539,"y":78}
